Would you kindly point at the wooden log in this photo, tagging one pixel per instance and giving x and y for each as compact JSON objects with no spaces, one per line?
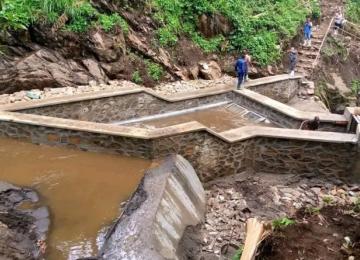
{"x":255,"y":233}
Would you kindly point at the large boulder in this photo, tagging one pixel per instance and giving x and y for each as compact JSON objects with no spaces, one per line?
{"x":214,"y":24}
{"x":210,"y":70}
{"x":45,"y":69}
{"x":107,"y":47}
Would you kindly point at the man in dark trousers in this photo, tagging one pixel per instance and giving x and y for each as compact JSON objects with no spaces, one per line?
{"x":241,"y":69}
{"x":311,"y":124}
{"x":293,"y":61}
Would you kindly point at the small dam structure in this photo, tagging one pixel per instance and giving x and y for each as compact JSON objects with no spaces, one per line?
{"x":208,"y":134}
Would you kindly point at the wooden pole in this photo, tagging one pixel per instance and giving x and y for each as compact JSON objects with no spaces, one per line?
{"x":255,"y":232}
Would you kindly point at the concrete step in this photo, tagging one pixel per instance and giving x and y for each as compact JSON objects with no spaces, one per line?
{"x":307,"y":53}
{"x":318,"y":36}
{"x":305,"y":65}
{"x":316,"y":41}
{"x":314,"y":47}
{"x":305,"y":59}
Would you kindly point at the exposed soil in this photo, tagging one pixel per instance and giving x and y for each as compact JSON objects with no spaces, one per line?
{"x":233,"y":199}
{"x":316,"y":236}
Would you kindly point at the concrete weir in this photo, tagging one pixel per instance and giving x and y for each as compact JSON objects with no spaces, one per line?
{"x":85,"y":122}
{"x":169,"y":198}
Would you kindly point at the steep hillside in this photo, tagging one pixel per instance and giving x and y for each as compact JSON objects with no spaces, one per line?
{"x":48,"y":43}
{"x":338,"y":74}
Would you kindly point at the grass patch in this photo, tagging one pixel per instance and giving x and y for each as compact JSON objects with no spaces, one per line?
{"x":20,"y":14}
{"x":313,"y":210}
{"x":154,"y":70}
{"x":258,"y":25}
{"x":352,"y":10}
{"x":238,"y":253}
{"x":355,"y":86}
{"x":282,"y":223}
{"x":136,"y":77}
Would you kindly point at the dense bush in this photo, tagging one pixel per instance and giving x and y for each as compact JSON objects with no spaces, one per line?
{"x":19,"y":14}
{"x":353,"y":10}
{"x":259,"y":25}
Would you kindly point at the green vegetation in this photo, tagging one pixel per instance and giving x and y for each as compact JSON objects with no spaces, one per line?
{"x":355,"y":86}
{"x":327,"y":199}
{"x":316,"y":9}
{"x":258,"y":25}
{"x":313,"y":210}
{"x":353,"y":10}
{"x":282,"y":223}
{"x":335,"y":48}
{"x":261,"y":26}
{"x":20,"y":14}
{"x":154,"y":70}
{"x":357,"y":205}
{"x":108,"y":22}
{"x":136,"y":77}
{"x":238,"y":253}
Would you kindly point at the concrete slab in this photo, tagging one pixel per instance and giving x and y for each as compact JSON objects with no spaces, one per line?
{"x":169,"y":198}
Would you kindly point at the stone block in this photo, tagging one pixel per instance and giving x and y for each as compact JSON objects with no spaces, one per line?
{"x":169,"y":198}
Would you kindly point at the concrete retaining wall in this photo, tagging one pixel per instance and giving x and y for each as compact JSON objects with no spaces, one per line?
{"x":140,"y":104}
{"x":279,"y":88}
{"x":212,"y":155}
{"x":169,"y":198}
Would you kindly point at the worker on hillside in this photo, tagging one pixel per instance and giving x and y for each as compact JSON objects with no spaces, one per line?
{"x":241,"y":70}
{"x":248,"y":63}
{"x":307,"y":32}
{"x":311,"y":124}
{"x":293,"y":60}
{"x":339,"y":21}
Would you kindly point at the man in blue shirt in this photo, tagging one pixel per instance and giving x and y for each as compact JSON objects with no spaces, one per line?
{"x":241,"y":70}
{"x":307,"y":32}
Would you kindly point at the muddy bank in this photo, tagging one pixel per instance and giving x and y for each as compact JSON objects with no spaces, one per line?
{"x":234,"y":199}
{"x":338,"y":74}
{"x":22,"y":231}
{"x":330,"y":233}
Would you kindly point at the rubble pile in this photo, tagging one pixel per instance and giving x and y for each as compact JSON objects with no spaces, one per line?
{"x":232,"y":200}
{"x":36,"y":94}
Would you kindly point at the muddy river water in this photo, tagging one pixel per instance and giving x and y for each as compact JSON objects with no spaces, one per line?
{"x":82,"y":190}
{"x":218,"y":119}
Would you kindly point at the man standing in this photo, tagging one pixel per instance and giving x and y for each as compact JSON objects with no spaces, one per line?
{"x":241,"y":69}
{"x":307,"y":32}
{"x":248,"y":63}
{"x":311,"y":124}
{"x":293,"y":61}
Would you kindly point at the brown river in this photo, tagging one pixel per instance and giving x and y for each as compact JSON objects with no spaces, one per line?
{"x":83,"y":190}
{"x":219,"y":119}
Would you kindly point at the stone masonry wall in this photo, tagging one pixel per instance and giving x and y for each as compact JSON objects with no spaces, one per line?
{"x":118,"y":108}
{"x":210,"y":156}
{"x":279,"y":118}
{"x":282,"y":91}
{"x":137,"y":105}
{"x":84,"y":141}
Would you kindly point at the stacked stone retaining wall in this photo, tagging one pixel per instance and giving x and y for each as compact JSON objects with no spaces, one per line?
{"x":211,"y":156}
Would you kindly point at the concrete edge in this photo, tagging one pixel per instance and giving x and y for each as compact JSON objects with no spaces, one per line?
{"x":290,"y":111}
{"x":126,"y":91}
{"x":266,"y":101}
{"x":169,"y":198}
{"x":231,"y":136}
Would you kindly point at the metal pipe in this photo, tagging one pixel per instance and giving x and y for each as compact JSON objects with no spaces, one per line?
{"x":169,"y":114}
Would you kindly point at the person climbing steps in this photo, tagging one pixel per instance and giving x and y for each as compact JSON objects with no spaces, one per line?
{"x":293,"y":60}
{"x":307,"y":32}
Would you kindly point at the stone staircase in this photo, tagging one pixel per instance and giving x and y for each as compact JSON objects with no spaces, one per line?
{"x":307,"y":56}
